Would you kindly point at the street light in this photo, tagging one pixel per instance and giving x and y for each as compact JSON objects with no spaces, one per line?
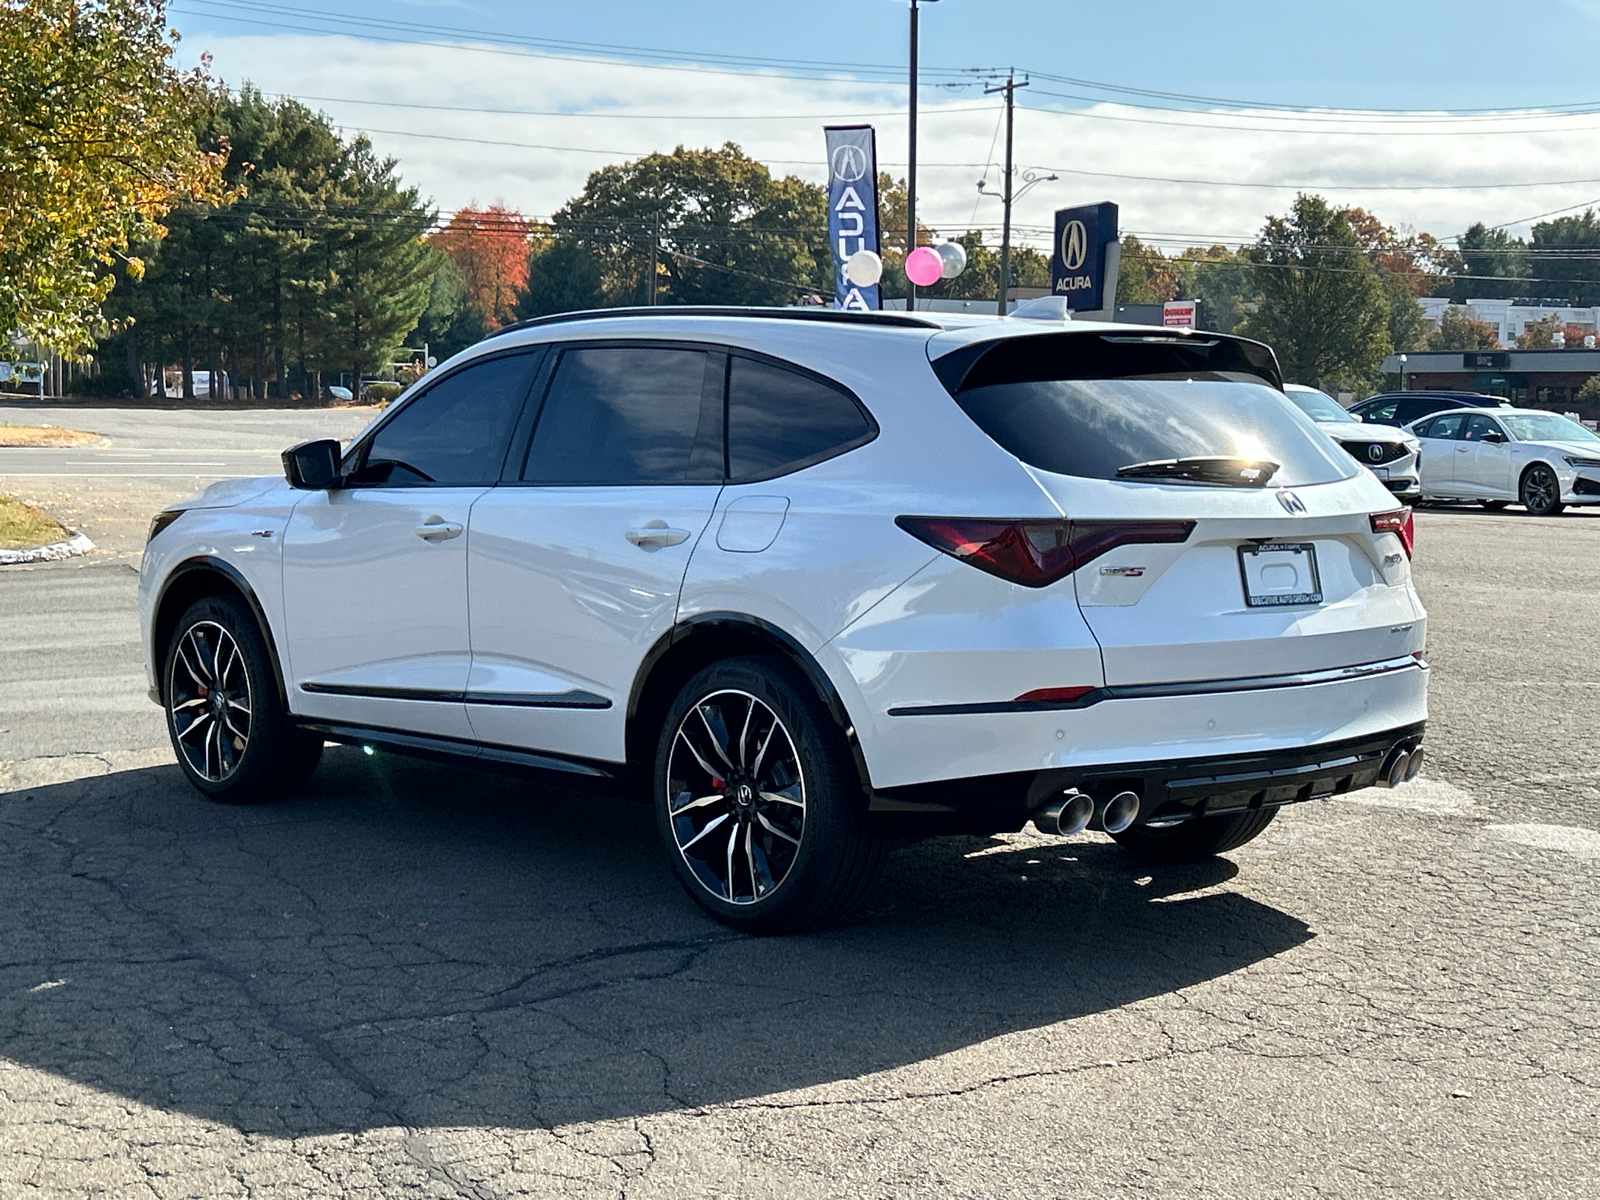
{"x":1403,"y":361}
{"x":1007,"y":197}
{"x":911,"y":161}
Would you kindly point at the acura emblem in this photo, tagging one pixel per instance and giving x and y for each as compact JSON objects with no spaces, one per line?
{"x":849,"y":163}
{"x":1292,"y":503}
{"x":1074,"y":245}
{"x":1375,"y":452}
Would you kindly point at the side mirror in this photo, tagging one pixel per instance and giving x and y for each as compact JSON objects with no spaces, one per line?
{"x":312,"y":466}
{"x":1495,"y":436}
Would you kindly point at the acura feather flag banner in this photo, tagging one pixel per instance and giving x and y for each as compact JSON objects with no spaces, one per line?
{"x":852,"y":208}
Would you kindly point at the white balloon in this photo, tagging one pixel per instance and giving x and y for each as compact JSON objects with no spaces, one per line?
{"x":955,"y":259}
{"x":863,"y":268}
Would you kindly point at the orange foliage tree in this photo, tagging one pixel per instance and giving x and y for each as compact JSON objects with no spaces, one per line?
{"x":490,"y":247}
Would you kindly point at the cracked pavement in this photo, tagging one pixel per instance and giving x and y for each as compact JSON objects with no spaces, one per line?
{"x":414,"y":980}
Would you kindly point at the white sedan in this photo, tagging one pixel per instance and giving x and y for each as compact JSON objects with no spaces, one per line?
{"x":1501,"y":456}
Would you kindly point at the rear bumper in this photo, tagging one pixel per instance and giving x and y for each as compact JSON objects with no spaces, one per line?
{"x":1170,"y":790}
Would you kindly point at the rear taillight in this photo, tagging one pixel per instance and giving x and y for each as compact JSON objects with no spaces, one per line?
{"x":1398,"y":523}
{"x":1036,"y":553}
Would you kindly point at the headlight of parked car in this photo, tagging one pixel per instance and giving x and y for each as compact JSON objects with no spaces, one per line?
{"x":1574,"y":460}
{"x":1413,"y":446}
{"x":160,"y":521}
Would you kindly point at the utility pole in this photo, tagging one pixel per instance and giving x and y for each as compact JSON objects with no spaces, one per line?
{"x":1009,"y":87}
{"x":655,"y":242}
{"x":911,"y":162}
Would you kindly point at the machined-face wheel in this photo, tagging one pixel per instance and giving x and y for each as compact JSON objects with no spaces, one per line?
{"x":736,"y":796}
{"x":209,"y":701}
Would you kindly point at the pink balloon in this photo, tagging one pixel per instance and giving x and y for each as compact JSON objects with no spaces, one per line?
{"x":924,"y":266}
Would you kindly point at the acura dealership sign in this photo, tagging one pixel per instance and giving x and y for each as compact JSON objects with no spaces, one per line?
{"x":1078,"y":262}
{"x":852,"y":208}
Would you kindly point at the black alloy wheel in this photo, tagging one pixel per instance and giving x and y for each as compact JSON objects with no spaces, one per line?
{"x":233,"y":738}
{"x":1541,"y":491}
{"x":210,"y":701}
{"x":758,"y":800}
{"x":737,"y":796}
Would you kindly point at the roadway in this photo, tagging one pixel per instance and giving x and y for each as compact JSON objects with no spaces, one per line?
{"x":420,"y":980}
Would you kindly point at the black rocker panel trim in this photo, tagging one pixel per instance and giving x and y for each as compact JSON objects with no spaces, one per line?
{"x":570,"y":699}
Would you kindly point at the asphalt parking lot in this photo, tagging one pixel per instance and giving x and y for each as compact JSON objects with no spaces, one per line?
{"x":412,"y":980}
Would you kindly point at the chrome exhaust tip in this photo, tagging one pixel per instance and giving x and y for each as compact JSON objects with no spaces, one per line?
{"x":1397,"y":769}
{"x":1414,"y":765}
{"x":1122,"y":810}
{"x":1067,"y":816}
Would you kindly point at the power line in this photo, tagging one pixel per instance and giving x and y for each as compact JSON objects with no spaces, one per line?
{"x":1228,"y":183}
{"x":627,"y":116}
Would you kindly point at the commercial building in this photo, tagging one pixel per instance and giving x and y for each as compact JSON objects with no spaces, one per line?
{"x":1535,"y":378}
{"x":1508,"y":318}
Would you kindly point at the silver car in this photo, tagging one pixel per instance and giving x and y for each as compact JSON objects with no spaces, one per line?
{"x":1501,"y":456}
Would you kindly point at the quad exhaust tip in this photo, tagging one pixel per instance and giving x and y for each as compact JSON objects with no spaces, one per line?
{"x":1122,"y":810}
{"x":1066,"y":816}
{"x":1407,"y":765}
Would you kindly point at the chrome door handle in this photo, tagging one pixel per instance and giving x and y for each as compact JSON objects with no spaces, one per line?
{"x":656,"y":535}
{"x":437,"y":529}
{"x":1462,"y":449}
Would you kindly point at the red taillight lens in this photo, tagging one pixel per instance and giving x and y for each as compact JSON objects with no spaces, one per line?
{"x":1398,"y":523}
{"x":1036,"y":553}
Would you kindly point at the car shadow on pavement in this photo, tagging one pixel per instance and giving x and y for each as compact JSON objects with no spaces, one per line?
{"x":411,"y":944}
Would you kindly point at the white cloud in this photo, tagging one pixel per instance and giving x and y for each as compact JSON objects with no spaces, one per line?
{"x":659,"y":109}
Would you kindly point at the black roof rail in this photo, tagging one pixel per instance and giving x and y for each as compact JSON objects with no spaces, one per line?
{"x":827,"y":315}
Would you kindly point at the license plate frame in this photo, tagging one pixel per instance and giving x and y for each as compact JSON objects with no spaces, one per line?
{"x":1251,"y":556}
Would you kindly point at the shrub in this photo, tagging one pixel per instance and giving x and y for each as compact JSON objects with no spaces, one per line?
{"x":381,"y":391}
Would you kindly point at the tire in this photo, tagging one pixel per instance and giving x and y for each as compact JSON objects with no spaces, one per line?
{"x":1197,"y":840}
{"x":1540,"y":491}
{"x":1494,"y":505}
{"x":748,"y":747}
{"x":235,"y":742}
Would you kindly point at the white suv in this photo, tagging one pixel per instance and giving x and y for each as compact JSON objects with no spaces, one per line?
{"x":815,"y":580}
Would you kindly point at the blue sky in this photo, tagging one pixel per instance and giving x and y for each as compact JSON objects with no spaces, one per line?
{"x":1359,"y":53}
{"x":1209,"y":173}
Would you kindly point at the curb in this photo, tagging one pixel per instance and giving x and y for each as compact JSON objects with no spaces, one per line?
{"x":75,"y":545}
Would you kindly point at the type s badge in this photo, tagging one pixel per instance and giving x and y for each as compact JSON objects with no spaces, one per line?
{"x":852,"y":208}
{"x":1078,"y":260}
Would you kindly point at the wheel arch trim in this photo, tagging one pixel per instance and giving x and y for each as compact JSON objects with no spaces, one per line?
{"x":210,"y":564}
{"x":779,"y":639}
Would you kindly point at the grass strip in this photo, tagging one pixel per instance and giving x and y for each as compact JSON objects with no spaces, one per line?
{"x":43,"y":435}
{"x":22,"y":526}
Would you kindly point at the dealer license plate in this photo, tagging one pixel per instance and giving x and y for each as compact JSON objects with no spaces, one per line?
{"x":1280,"y":573}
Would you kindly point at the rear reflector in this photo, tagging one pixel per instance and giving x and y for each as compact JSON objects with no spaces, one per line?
{"x":1064,"y":695}
{"x":1398,"y":523}
{"x":1036,"y":553}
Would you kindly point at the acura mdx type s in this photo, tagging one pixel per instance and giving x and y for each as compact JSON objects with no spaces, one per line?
{"x":813,"y":581}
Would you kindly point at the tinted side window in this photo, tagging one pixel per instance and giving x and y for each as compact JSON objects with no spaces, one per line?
{"x":1476,"y":427}
{"x":630,"y":414}
{"x":780,"y":420}
{"x":455,"y":433}
{"x":1378,"y":412}
{"x":1414,"y":410}
{"x":1447,"y":426}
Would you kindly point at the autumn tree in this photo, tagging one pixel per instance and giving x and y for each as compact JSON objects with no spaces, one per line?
{"x":1146,"y":275}
{"x":1460,"y":331}
{"x":489,"y":246}
{"x":97,"y":143}
{"x":1323,"y":308}
{"x":1219,"y":280}
{"x":724,"y":231}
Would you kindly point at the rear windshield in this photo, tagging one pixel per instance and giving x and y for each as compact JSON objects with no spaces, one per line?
{"x":1098,"y":405}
